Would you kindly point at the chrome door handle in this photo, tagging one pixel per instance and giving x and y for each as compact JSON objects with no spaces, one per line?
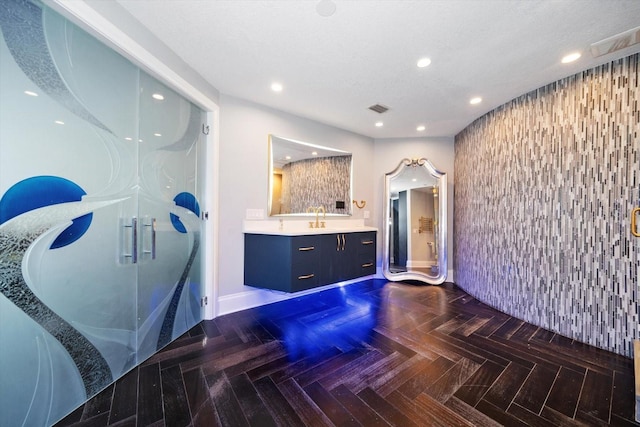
{"x":634,"y":225}
{"x":343,"y":242}
{"x":338,"y":244}
{"x":133,"y":255}
{"x":152,"y":229}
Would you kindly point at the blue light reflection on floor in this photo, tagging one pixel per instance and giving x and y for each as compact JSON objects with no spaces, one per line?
{"x":342,"y":318}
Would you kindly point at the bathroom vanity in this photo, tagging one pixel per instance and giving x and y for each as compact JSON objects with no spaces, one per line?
{"x":298,"y":260}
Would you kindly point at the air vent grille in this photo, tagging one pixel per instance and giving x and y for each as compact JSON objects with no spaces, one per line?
{"x":378,"y":108}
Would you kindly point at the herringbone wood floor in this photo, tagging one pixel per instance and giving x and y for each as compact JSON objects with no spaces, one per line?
{"x":373,"y":353}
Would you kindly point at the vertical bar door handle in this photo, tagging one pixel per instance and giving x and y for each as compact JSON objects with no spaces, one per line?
{"x":134,"y":240}
{"x":634,"y":224}
{"x":133,"y":247}
{"x":152,"y":238}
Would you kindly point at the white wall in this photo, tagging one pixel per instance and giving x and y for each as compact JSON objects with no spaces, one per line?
{"x":389,"y":152}
{"x":243,"y":174}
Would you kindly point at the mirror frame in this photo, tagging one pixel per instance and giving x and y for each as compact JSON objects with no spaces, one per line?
{"x":349,"y":207}
{"x":442,"y":223}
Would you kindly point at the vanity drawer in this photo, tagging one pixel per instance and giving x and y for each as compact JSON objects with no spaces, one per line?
{"x":366,"y":264}
{"x":367,"y":243}
{"x":305,"y":262}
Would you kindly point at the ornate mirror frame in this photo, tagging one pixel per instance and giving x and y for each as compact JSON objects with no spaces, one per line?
{"x":440,"y":227}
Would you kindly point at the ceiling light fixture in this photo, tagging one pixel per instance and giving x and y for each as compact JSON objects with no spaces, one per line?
{"x":617,"y":42}
{"x":420,"y":128}
{"x":476,"y":100}
{"x":28,"y":92}
{"x":158,"y":96}
{"x":128,"y":138}
{"x":571,"y":57}
{"x":326,"y":8}
{"x":315,"y":153}
{"x":379,"y":124}
{"x":424,"y":62}
{"x":59,"y":122}
{"x":276,"y":87}
{"x":157,"y":134}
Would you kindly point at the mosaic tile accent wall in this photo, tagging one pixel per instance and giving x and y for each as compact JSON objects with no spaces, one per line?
{"x":317,"y":182}
{"x":545,"y":186}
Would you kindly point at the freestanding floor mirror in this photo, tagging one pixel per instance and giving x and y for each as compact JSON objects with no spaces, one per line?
{"x":415,"y":227}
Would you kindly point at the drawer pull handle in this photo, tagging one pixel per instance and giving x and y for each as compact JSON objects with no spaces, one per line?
{"x":307,"y":276}
{"x":367,"y":242}
{"x":369,"y":264}
{"x":308,"y":248}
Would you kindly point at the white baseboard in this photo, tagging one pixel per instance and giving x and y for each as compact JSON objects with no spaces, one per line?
{"x":256,"y":296}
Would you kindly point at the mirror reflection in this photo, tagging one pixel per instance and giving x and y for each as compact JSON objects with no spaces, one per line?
{"x":415,"y":233}
{"x":304,"y":175}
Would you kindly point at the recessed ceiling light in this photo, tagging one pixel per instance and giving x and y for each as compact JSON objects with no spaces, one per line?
{"x":476,"y":100}
{"x":287,"y":157}
{"x":571,"y":57}
{"x":158,"y":96}
{"x":128,"y":138}
{"x":424,"y":62}
{"x":420,"y":128}
{"x":414,"y":179}
{"x":28,"y":92}
{"x":59,"y":122}
{"x":379,"y":124}
{"x":326,"y":8}
{"x":157,"y":134}
{"x":276,"y":87}
{"x":315,"y":153}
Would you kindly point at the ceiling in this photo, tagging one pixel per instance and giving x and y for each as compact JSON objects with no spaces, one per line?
{"x":333,"y":68}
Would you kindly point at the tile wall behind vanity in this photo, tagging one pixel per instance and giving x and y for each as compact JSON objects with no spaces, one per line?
{"x":545,"y":186}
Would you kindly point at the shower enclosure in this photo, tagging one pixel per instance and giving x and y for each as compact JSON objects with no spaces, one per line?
{"x":101,"y":173}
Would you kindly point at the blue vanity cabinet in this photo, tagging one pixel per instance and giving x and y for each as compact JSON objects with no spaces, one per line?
{"x":296,"y":263}
{"x":283,"y":263}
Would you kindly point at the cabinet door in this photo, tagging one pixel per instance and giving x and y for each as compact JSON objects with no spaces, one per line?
{"x":338,"y":257}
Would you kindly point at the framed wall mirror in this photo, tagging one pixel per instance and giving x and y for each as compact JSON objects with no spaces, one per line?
{"x":415,"y":229}
{"x":304,"y":175}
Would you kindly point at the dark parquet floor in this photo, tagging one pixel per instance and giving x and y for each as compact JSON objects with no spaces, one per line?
{"x":373,"y":353}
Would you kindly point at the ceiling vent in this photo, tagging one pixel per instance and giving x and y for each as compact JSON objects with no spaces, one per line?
{"x":379,"y":108}
{"x":617,"y":42}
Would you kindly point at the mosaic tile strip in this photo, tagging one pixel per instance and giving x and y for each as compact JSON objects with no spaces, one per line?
{"x":545,"y":185}
{"x":317,"y":182}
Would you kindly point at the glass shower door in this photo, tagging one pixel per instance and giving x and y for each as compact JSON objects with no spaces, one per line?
{"x":99,"y":215}
{"x":169,"y":285}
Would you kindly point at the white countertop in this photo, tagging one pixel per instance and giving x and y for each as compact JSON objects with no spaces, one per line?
{"x":290,"y":227}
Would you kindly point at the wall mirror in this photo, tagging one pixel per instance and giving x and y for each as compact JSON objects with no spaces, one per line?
{"x":415,"y":233}
{"x":304,"y":175}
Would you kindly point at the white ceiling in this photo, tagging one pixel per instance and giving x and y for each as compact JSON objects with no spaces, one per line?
{"x":333,"y":68}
